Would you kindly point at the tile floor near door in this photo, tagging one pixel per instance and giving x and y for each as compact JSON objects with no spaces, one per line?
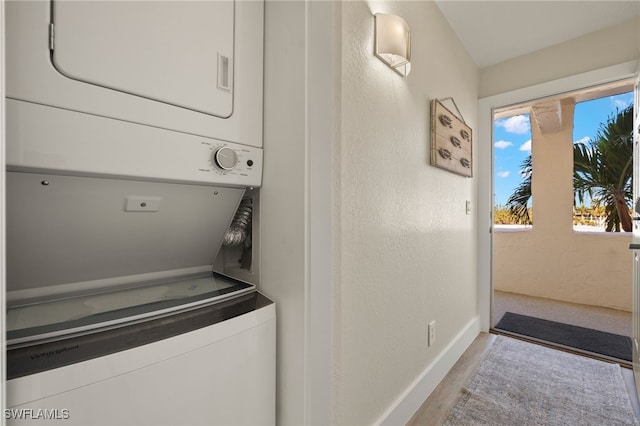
{"x":603,"y":319}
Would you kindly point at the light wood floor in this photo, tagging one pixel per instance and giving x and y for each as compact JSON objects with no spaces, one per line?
{"x":435,"y":409}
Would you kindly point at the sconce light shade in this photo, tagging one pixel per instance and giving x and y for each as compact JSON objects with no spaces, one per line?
{"x":392,"y":42}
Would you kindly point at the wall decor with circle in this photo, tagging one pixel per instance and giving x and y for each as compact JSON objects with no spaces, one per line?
{"x":451,"y":140}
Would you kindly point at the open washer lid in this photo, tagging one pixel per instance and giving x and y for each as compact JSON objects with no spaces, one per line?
{"x":71,"y":234}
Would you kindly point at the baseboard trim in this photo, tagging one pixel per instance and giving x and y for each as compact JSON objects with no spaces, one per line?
{"x":401,"y":411}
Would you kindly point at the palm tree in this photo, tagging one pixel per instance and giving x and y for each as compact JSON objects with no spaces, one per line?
{"x":518,"y":202}
{"x":602,"y":169}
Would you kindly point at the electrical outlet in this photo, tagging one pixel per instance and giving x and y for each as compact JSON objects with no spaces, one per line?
{"x":432,"y":333}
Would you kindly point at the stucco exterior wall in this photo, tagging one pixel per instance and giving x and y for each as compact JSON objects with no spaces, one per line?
{"x":406,"y":247}
{"x":591,"y":269}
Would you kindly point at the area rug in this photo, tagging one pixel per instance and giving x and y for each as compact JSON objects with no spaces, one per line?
{"x":599,"y":342}
{"x":520,"y":383}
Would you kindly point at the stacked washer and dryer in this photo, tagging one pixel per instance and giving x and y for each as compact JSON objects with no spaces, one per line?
{"x":134,"y":132}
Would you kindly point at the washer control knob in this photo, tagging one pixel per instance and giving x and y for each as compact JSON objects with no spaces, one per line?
{"x":225,"y":158}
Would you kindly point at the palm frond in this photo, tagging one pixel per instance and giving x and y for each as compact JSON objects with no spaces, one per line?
{"x":603,"y":168}
{"x":518,"y":202}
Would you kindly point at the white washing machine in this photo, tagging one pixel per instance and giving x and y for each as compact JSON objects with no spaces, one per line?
{"x":133,"y":131}
{"x":114,"y":314}
{"x":211,"y":365}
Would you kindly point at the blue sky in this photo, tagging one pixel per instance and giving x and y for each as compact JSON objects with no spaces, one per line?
{"x":512,"y":139}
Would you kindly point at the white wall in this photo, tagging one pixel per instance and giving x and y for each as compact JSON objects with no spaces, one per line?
{"x":406,"y":248}
{"x":282,"y":197}
{"x":295,"y":203}
{"x":404,"y":252}
{"x":597,"y":50}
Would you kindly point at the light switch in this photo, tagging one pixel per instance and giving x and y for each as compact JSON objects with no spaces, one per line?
{"x":468,"y":207}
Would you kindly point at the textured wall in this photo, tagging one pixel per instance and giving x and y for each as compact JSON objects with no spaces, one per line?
{"x":406,"y":248}
{"x":588,"y":268}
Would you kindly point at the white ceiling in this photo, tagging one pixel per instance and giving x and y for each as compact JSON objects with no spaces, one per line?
{"x":495,"y":31}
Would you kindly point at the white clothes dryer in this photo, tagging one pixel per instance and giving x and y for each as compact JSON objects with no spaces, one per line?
{"x":187,"y":66}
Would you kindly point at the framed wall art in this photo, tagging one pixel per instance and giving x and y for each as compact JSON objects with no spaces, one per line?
{"x":451,"y":140}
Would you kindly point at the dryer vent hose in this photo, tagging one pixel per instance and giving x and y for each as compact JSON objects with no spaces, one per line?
{"x":240,"y":227}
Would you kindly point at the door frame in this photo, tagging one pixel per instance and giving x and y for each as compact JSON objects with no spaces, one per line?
{"x":635,"y":361}
{"x":486,"y":107}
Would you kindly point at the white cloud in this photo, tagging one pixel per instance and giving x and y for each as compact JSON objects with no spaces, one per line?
{"x":526,"y":146}
{"x":621,"y":101}
{"x":582,"y":140}
{"x":504,"y":174}
{"x":525,"y":173}
{"x":503,"y":144}
{"x":518,"y":124}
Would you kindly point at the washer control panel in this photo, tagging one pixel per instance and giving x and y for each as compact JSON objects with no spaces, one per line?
{"x":232,"y":161}
{"x":123,"y":149}
{"x":225,"y":158}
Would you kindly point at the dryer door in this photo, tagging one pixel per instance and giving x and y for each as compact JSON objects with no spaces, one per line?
{"x":176,"y":52}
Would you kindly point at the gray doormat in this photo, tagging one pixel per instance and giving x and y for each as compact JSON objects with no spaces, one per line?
{"x":521,"y":383}
{"x":599,"y":342}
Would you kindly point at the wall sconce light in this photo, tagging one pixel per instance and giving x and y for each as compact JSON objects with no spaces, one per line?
{"x":392,"y":42}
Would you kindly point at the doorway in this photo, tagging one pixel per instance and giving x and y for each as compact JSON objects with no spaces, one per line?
{"x":533,"y":256}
